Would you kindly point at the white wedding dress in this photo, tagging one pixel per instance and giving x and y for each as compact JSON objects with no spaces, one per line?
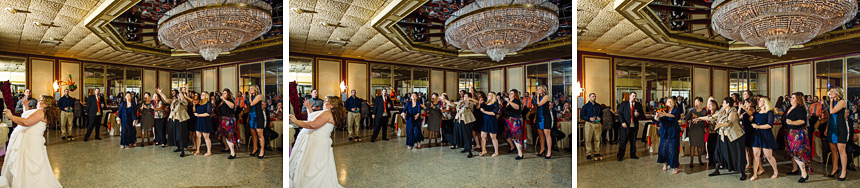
{"x":312,"y":160}
{"x":26,"y":163}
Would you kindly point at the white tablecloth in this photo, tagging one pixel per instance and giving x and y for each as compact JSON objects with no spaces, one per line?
{"x":566,"y":127}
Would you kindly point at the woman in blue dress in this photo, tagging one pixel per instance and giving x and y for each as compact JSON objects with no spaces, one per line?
{"x":412,"y":114}
{"x":203,"y":112}
{"x":128,"y":115}
{"x":543,"y":121}
{"x":764,"y":139}
{"x":490,"y":109}
{"x":837,"y":131}
{"x":669,"y":137}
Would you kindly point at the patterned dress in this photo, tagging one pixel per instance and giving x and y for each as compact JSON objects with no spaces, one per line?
{"x":798,"y":145}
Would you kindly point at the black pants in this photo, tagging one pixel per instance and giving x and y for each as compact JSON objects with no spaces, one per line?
{"x":644,"y":129}
{"x":627,"y":135}
{"x":159,"y":127}
{"x":713,"y":139}
{"x":465,"y":135}
{"x":93,"y":123}
{"x":381,"y":122}
{"x":180,"y":134}
{"x":811,"y":128}
{"x":448,"y":132}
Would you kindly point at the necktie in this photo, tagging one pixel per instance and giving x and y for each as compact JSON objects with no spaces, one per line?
{"x":384,"y":104}
{"x":99,"y":107}
{"x":631,"y":113}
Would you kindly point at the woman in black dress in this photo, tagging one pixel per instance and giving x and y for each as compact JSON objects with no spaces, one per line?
{"x":747,"y":111}
{"x":837,"y":131}
{"x":795,"y":138}
{"x":434,"y":118}
{"x":696,"y":131}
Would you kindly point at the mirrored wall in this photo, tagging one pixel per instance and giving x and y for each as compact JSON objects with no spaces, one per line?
{"x":14,"y":70}
{"x":758,"y":81}
{"x":828,"y":74}
{"x":301,"y":71}
{"x":738,"y":81}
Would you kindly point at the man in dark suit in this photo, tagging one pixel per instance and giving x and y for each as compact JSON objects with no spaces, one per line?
{"x":381,"y":112}
{"x":95,"y":108}
{"x":629,"y":112}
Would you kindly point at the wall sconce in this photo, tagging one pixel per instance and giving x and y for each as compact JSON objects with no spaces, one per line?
{"x":578,"y":90}
{"x":342,"y":87}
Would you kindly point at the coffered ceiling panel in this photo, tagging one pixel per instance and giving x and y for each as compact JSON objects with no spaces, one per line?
{"x":19,"y":34}
{"x":602,"y":29}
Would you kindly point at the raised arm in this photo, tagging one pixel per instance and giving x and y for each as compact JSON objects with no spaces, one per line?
{"x":34,"y":118}
{"x":543,"y":100}
{"x":839,"y":106}
{"x":323,"y":118}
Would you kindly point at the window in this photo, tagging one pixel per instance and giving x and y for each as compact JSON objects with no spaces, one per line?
{"x":738,"y":81}
{"x":853,"y":91}
{"x":681,"y":76}
{"x":421,"y":81}
{"x":562,"y":84}
{"x":194,"y":79}
{"x":274,"y":78}
{"x":628,"y":79}
{"x":380,"y":78}
{"x":464,"y":82}
{"x":758,"y":81}
{"x":828,"y":74}
{"x":115,"y":77}
{"x":177,"y":80}
{"x":94,"y":78}
{"x":536,"y":75}
{"x":14,"y":70}
{"x":402,"y":80}
{"x":301,"y":71}
{"x":133,"y":78}
{"x":481,"y":81}
{"x":656,"y":83}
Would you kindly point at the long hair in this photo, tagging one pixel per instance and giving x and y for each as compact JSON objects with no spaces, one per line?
{"x":840,"y":94}
{"x":229,"y":94}
{"x":799,"y":97}
{"x":767,"y":106}
{"x":516,"y":95}
{"x":491,"y":98}
{"x":52,"y":112}
{"x":203,"y":100}
{"x":338,"y":112}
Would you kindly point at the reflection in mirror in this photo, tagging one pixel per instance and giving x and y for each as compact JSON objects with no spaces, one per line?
{"x":628,"y":79}
{"x":828,"y":74}
{"x":14,"y":70}
{"x":301,"y":71}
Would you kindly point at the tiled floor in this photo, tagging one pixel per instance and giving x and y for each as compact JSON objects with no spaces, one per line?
{"x":390,"y":164}
{"x":101,"y":163}
{"x":646,"y":172}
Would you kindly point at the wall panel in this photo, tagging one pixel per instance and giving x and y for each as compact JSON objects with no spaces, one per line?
{"x":149,"y":81}
{"x":74,"y":69}
{"x":701,"y":82}
{"x":328,"y":77}
{"x":515,"y":79}
{"x":164,"y":81}
{"x":597,"y":73}
{"x":451,"y":85}
{"x":498,"y":80}
{"x":211,"y":80}
{"x":778,"y":80}
{"x":229,"y":79}
{"x":357,"y":79}
{"x":801,"y":79}
{"x":437,"y":82}
{"x":721,"y":84}
{"x":41,"y":77}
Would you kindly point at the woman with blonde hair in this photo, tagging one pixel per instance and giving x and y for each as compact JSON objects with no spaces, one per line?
{"x":203,"y":112}
{"x":490,"y":108}
{"x":312,"y":158}
{"x":543,"y":121}
{"x":764,"y":139}
{"x":26,"y":163}
{"x":255,"y":120}
{"x":837,"y":131}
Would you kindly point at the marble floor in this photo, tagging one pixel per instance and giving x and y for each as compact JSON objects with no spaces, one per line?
{"x":390,"y":164}
{"x":646,"y":172}
{"x":101,"y":163}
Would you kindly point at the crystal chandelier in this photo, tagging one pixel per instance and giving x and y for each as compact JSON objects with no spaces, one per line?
{"x":209,"y":27}
{"x":497,"y":27}
{"x":779,"y":24}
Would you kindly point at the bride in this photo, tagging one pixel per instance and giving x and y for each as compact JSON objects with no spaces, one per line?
{"x":312,"y":160}
{"x":26,"y":162}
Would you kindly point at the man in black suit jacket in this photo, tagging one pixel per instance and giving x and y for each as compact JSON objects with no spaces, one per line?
{"x":382,"y":107}
{"x":629,"y":113}
{"x":95,"y":110}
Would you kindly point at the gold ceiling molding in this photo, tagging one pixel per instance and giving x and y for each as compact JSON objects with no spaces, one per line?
{"x":99,"y":23}
{"x":638,"y":13}
{"x":386,"y":24}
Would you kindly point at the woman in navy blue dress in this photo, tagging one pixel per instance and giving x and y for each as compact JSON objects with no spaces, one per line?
{"x":543,"y":121}
{"x":203,"y":112}
{"x":764,"y":139}
{"x":412,"y":114}
{"x":838,"y":131}
{"x":128,"y":115}
{"x":490,"y":109}
{"x":669,"y":137}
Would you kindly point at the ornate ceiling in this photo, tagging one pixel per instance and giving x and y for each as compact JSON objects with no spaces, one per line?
{"x":675,"y":30}
{"x":63,"y":32}
{"x":365,"y":29}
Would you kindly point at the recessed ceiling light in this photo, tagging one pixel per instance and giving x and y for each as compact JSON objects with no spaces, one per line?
{"x":707,"y":61}
{"x":44,"y":24}
{"x":300,"y":11}
{"x":755,"y":58}
{"x":704,"y":50}
{"x":599,"y":49}
{"x":324,"y":24}
{"x":15,"y":11}
{"x":329,"y":53}
{"x":725,"y":63}
{"x":793,"y":57}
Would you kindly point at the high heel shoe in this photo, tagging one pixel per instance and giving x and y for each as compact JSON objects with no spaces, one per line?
{"x":548,"y":157}
{"x":255,"y":152}
{"x":803,"y":179}
{"x":518,"y":157}
{"x":541,"y":153}
{"x":841,"y":179}
{"x":231,"y":157}
{"x":260,"y":157}
{"x":796,"y":172}
{"x":833,"y":175}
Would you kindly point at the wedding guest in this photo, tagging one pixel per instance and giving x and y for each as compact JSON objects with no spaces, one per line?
{"x":591,"y":113}
{"x":513,"y":113}
{"x":696,"y":131}
{"x":66,"y":105}
{"x":147,"y":117}
{"x":464,"y":120}
{"x":748,"y":110}
{"x":433,"y":107}
{"x":412,"y":114}
{"x":489,"y":109}
{"x":729,"y":152}
{"x":128,"y":115}
{"x":629,"y":113}
{"x":543,"y":121}
{"x":95,"y":109}
{"x":764,"y":140}
{"x":177,"y":120}
{"x":795,"y":139}
{"x":159,"y":112}
{"x":353,"y":117}
{"x":382,"y":107}
{"x":479,"y":118}
{"x":79,"y":114}
{"x":26,"y":103}
{"x":669,"y":136}
{"x":203,"y":111}
{"x":447,"y":127}
{"x":193,"y":98}
{"x":255,"y":120}
{"x":838,"y":131}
